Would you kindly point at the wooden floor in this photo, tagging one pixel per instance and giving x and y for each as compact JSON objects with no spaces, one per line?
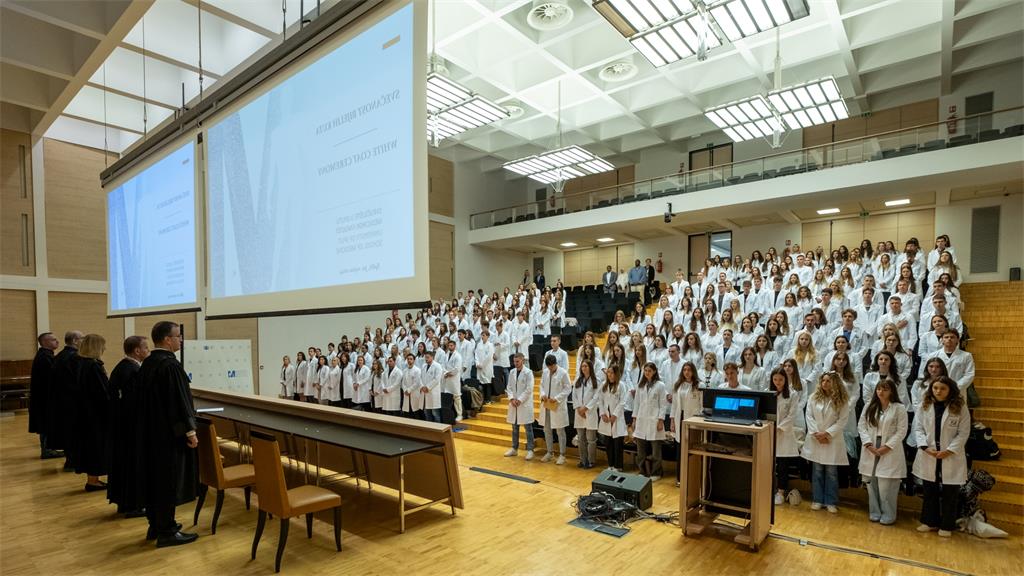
{"x":49,"y":525}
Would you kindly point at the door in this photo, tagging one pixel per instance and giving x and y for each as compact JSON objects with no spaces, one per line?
{"x":700,"y":247}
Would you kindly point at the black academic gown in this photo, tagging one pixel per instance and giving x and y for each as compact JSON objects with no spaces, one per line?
{"x":60,"y":408}
{"x":124,"y":469}
{"x":42,"y":376}
{"x":170,"y":470}
{"x":92,"y":431}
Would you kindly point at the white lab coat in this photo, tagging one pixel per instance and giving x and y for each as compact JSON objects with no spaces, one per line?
{"x":323,"y":376}
{"x":484,"y":358}
{"x":333,"y":391}
{"x":649,"y":404}
{"x":892,"y":427}
{"x":871,"y":379}
{"x":288,"y":381}
{"x":541,"y":322}
{"x":586,"y":396}
{"x":522,"y":338}
{"x":823,"y":416}
{"x":348,"y":378}
{"x":502,"y":348}
{"x":411,"y":383}
{"x":960,"y":366}
{"x":300,"y":379}
{"x":709,"y":379}
{"x":391,"y":392}
{"x":312,"y":369}
{"x":683,"y":403}
{"x":361,"y":388}
{"x":558,"y":387}
{"x":520,"y":387}
{"x":613,"y":404}
{"x":432,"y":376}
{"x":755,"y":379}
{"x":453,"y":365}
{"x":955,"y":430}
{"x":561,"y":357}
{"x":785,"y":425}
{"x":377,"y":382}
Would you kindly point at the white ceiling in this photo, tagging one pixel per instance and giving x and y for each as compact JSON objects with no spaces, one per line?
{"x":52,"y":56}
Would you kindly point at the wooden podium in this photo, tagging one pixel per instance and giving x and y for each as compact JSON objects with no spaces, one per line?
{"x":696,"y":506}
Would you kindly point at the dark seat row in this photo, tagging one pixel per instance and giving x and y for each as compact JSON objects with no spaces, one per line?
{"x":961,"y":140}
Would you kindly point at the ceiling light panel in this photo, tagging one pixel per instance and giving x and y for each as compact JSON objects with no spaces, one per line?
{"x":828,"y":211}
{"x":811,"y":103}
{"x":674,"y":40}
{"x":453,"y":109}
{"x":559,"y":165}
{"x":901,"y":202}
{"x":742,"y":18}
{"x":630,"y":17}
{"x":745,"y":119}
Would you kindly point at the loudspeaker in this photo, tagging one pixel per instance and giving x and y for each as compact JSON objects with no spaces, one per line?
{"x":632,"y":488}
{"x":1015,"y":274}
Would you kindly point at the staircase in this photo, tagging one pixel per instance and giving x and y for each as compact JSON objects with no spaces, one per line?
{"x":994,"y":315}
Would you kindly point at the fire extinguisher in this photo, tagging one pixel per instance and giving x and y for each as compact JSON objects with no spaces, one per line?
{"x":659,"y":265}
{"x":951,"y":121}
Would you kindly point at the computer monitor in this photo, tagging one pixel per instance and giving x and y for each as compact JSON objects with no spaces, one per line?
{"x":766,"y":404}
{"x":733,"y":406}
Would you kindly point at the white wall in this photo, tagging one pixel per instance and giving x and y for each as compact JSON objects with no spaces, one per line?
{"x":674,"y":254}
{"x":955,"y":220}
{"x":1005,"y":82}
{"x":746,"y":240}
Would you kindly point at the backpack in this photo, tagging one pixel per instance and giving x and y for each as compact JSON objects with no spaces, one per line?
{"x":980,"y":445}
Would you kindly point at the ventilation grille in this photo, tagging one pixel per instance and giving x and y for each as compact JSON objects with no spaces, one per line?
{"x":985,"y":240}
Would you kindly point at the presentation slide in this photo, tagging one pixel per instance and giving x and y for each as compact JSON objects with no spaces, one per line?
{"x":311,"y":184}
{"x":151,"y":236}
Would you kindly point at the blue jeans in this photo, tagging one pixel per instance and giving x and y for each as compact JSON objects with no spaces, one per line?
{"x":824,"y":484}
{"x":433,"y":414}
{"x":529,"y":436}
{"x":883,"y":494}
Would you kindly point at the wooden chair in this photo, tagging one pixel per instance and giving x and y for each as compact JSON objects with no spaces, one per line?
{"x":275,"y":498}
{"x":213,"y":474}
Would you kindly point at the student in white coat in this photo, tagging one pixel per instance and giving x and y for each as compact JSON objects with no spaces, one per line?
{"x":334,"y":383}
{"x":555,"y":388}
{"x":361,"y":386}
{"x":377,"y":381}
{"x":959,"y":364}
{"x":323,"y":376}
{"x":585,"y":395}
{"x":502,"y":353}
{"x":412,"y":382}
{"x":611,"y":409}
{"x":732,"y":381}
{"x":685,"y":399}
{"x":750,"y":374}
{"x":300,"y":376}
{"x":941,"y":428}
{"x":431,"y":377}
{"x":287,"y":378}
{"x":824,"y":447}
{"x":520,"y":405}
{"x":561,"y":356}
{"x":483,"y":360}
{"x":391,"y":392}
{"x":787,"y":403}
{"x":883,"y":465}
{"x":312,"y":368}
{"x":452,"y":391}
{"x":348,"y":378}
{"x":649,"y":404}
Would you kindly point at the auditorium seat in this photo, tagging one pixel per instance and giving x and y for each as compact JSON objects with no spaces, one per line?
{"x":932,"y":145}
{"x":628,"y":199}
{"x":1016,"y":130}
{"x":987,"y":135}
{"x":602,"y":203}
{"x":531,"y":216}
{"x":961,"y":140}
{"x":753,"y":177}
{"x":768,"y":174}
{"x":520,"y":218}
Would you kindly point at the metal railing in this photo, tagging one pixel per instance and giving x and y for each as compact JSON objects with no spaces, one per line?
{"x":951,"y":133}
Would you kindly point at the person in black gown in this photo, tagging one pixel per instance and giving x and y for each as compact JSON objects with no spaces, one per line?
{"x":93,"y":413}
{"x":123,"y":487}
{"x":167,"y":433}
{"x":60,"y":407}
{"x":42,"y":380}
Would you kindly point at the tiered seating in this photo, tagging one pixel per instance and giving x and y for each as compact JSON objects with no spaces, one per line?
{"x":593,"y":309}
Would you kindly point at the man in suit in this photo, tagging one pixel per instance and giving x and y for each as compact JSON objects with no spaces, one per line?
{"x":539,"y":279}
{"x":652,"y":291}
{"x":60,"y":407}
{"x":42,"y":378}
{"x":609,"y":280}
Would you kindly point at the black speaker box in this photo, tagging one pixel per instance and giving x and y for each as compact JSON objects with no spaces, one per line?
{"x":632,"y":488}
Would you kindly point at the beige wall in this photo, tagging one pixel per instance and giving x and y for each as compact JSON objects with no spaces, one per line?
{"x":17,"y":324}
{"x":88,"y":313}
{"x":588,"y":265}
{"x":17,"y":255}
{"x":442,"y":260}
{"x":898,"y":227}
{"x":440,"y":186}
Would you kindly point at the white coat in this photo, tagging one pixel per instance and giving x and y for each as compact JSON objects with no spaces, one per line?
{"x":586,"y":396}
{"x":541,"y":322}
{"x":649,"y":403}
{"x":288,"y":381}
{"x":411,"y":383}
{"x":613,"y":404}
{"x":522,"y":338}
{"x":361,"y":388}
{"x":871,"y":379}
{"x":333,"y":391}
{"x":955,"y":430}
{"x":709,"y":379}
{"x":785,"y":425}
{"x":561,"y":357}
{"x":960,"y":366}
{"x":391,"y":392}
{"x":312,"y":369}
{"x":348,"y":378}
{"x":892,"y":427}
{"x":323,"y":376}
{"x":823,"y":416}
{"x":520,"y":387}
{"x":431,"y":377}
{"x":484,"y":359}
{"x":684,"y":402}
{"x":377,"y":388}
{"x":453,"y":366}
{"x":755,"y":379}
{"x":300,"y":379}
{"x":556,"y":386}
{"x":502,"y":348}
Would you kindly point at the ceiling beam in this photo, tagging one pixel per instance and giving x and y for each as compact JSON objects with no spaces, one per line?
{"x":120,"y":28}
{"x":946,"y":41}
{"x":132,"y":96}
{"x":835,"y":20}
{"x":233,"y":18}
{"x":789,"y":216}
{"x":29,"y":88}
{"x":168,"y":60}
{"x":90,"y":18}
{"x":103,"y":125}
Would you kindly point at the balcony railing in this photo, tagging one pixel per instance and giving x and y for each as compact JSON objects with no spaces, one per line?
{"x":984,"y":127}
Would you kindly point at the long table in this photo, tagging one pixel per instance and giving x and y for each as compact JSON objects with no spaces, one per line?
{"x":412,"y":457}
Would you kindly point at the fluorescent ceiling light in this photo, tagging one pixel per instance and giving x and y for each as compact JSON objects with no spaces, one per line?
{"x":745,"y":119}
{"x":673,"y":40}
{"x":453,"y":109}
{"x":630,"y":17}
{"x":902,"y":202}
{"x":741,"y":18}
{"x":568,"y":244}
{"x":559,"y":165}
{"x":606,"y":239}
{"x":828,"y":211}
{"x":800,"y":106}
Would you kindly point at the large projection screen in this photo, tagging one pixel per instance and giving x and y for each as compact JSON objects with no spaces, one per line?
{"x":316,"y":182}
{"x":152,"y":235}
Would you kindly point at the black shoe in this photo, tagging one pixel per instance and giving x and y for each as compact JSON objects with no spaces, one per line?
{"x":176,"y":539}
{"x":95,"y":487}
{"x":136,"y":513}
{"x":49,"y":454}
{"x":151,"y":534}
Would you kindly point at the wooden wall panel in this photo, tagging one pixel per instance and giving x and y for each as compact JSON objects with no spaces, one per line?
{"x":882,"y":121}
{"x":848,"y":232}
{"x":17,"y":234}
{"x":236,"y":329}
{"x":17,"y":324}
{"x":571,"y":268}
{"x":919,"y":224}
{"x":441,"y":186}
{"x":817,"y":135}
{"x":88,"y":313}
{"x":626,"y":174}
{"x":75,"y":213}
{"x":919,"y":113}
{"x":814,"y":234}
{"x":849,"y":128}
{"x":442,"y":260}
{"x":898,"y":227}
{"x":881,"y":227}
{"x":587,"y":266}
{"x":625,"y":253}
{"x":144,"y":324}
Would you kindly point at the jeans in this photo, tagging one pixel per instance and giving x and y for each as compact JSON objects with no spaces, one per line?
{"x":939,"y":507}
{"x":825,"y":484}
{"x":613,"y":448}
{"x":549,"y":444}
{"x":587,"y":446}
{"x":529,"y":436}
{"x":883,"y":494}
{"x":433,"y":414}
{"x":645,"y":448}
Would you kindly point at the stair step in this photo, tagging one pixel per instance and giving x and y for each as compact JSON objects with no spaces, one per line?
{"x":999,"y":425}
{"x":1005,"y":467}
{"x":998,"y":402}
{"x":988,"y":364}
{"x":985,"y":413}
{"x":990,"y":373}
{"x":503,"y":440}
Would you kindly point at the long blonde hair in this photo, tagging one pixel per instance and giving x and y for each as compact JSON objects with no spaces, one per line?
{"x":804,"y":355}
{"x":836,"y":393}
{"x":93,"y":346}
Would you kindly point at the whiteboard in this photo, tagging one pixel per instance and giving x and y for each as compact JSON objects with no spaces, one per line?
{"x":224,"y":365}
